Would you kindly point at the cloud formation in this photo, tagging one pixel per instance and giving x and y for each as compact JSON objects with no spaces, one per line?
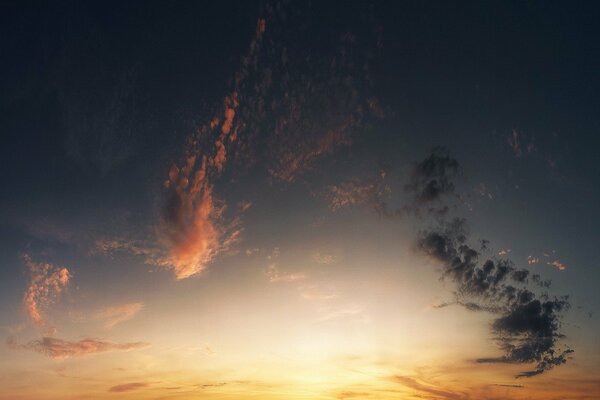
{"x":59,"y":349}
{"x":46,"y":284}
{"x":192,"y":225}
{"x":527,"y":326}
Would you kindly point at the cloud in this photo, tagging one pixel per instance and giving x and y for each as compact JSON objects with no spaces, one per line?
{"x":432,"y":177}
{"x":127,"y":387}
{"x":532,"y":260}
{"x":515,"y":143}
{"x":355,"y":192}
{"x":323,"y":258}
{"x":527,"y":326}
{"x":557,"y":264}
{"x":422,"y":388}
{"x":192,"y":226}
{"x":46,"y":284}
{"x":274,"y":274}
{"x":117,"y":314}
{"x":59,"y":349}
{"x":318,"y":292}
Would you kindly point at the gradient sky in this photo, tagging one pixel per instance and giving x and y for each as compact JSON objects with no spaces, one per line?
{"x":299,"y":200}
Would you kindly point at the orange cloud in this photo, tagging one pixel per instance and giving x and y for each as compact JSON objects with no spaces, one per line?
{"x":117,"y":314}
{"x":192,"y":228}
{"x":557,"y":264}
{"x":60,"y":349}
{"x":46,"y":284}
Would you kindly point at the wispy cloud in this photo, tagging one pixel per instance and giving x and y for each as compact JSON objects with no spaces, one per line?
{"x":127,"y":387}
{"x":46,"y":284}
{"x":59,"y":349}
{"x":117,"y":314}
{"x":274,"y":274}
{"x":428,"y":389}
{"x":318,"y":292}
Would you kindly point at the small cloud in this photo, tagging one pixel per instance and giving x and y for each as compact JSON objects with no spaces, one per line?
{"x":327,"y":259}
{"x":274,"y":274}
{"x":531,"y":260}
{"x":127,"y":387}
{"x":557,"y":264}
{"x":317,"y":292}
{"x":515,"y":143}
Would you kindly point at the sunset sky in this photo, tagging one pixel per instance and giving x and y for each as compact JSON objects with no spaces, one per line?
{"x":300,"y":200}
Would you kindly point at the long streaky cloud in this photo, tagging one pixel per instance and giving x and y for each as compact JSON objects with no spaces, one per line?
{"x":59,"y":349}
{"x":46,"y":284}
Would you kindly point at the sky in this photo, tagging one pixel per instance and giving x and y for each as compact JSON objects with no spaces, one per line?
{"x":299,"y":200}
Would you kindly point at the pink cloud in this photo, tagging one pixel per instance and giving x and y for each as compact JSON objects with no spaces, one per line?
{"x":46,"y":284}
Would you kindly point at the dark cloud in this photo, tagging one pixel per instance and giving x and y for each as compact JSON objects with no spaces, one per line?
{"x":432,"y":177}
{"x":527,"y":325}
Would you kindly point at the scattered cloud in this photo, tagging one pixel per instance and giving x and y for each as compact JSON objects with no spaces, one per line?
{"x":355,"y":192}
{"x":274,"y":274}
{"x":59,"y":349}
{"x":46,"y":284}
{"x":324,"y":258}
